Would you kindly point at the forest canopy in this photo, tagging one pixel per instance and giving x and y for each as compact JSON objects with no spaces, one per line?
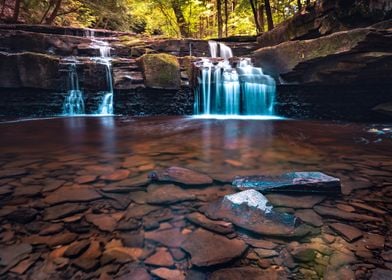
{"x":175,"y":18}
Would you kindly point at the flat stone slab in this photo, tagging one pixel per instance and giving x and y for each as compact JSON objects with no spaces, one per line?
{"x":208,"y":249}
{"x":168,"y":194}
{"x":294,"y":201}
{"x":251,"y":210}
{"x":340,"y":214}
{"x":347,"y":232}
{"x":296,"y":182}
{"x":63,"y":210}
{"x":72,"y":194}
{"x":247,"y":273}
{"x":216,"y":226}
{"x":181,"y":175}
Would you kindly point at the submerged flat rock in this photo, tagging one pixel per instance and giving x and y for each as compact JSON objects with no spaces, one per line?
{"x":207,"y":248}
{"x":251,"y":210}
{"x":181,"y":175}
{"x":74,"y":193}
{"x":297,"y":182}
{"x":247,"y":273}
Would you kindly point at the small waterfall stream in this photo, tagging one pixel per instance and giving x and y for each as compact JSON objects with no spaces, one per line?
{"x":73,"y":103}
{"x":106,"y":106}
{"x":232,"y":88}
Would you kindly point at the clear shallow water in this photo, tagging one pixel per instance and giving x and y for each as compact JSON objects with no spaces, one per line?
{"x":63,"y":150}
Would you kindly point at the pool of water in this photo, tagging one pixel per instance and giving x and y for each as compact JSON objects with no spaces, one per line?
{"x":66,"y":149}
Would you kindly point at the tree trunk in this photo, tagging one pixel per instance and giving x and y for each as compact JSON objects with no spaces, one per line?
{"x":15,"y":16}
{"x":219,"y":16}
{"x":299,"y":4}
{"x":50,"y":4}
{"x":268,"y":12}
{"x":307,"y":2}
{"x":226,"y":18}
{"x":182,"y":24}
{"x":255,"y":17}
{"x":54,"y":13}
{"x":261,"y":17}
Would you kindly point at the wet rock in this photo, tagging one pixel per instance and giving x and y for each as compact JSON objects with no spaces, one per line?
{"x":250,"y":210}
{"x":259,"y":243}
{"x":309,"y":217}
{"x":120,"y":254}
{"x":336,"y":213}
{"x":85,"y":179}
{"x":208,"y":249}
{"x":62,"y":211}
{"x":52,"y":229}
{"x":381,"y":274}
{"x":297,"y":182}
{"x":168,"y":194}
{"x":67,"y":194}
{"x":169,"y":237}
{"x":11,"y":255}
{"x":118,"y":201}
{"x":349,"y":233}
{"x":161,"y":258}
{"x":294,"y":201}
{"x":25,"y":265}
{"x":304,"y":254}
{"x":6,"y":190}
{"x":181,"y":175}
{"x":89,"y":259}
{"x":51,"y":185}
{"x":104,"y":222}
{"x":8,"y":173}
{"x":247,"y":273}
{"x":23,"y":215}
{"x":368,"y":208}
{"x":76,"y":248}
{"x":137,"y":211}
{"x":118,"y":175}
{"x":177,"y":254}
{"x":216,"y":226}
{"x":52,"y":241}
{"x":161,"y":71}
{"x":129,"y":225}
{"x":168,"y":274}
{"x":133,"y":239}
{"x":265,"y":253}
{"x":135,"y":272}
{"x":27,"y":191}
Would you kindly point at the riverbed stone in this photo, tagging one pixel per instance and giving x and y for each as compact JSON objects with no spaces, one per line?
{"x":161,"y":258}
{"x":208,"y":249}
{"x":309,"y":217}
{"x":23,"y":215}
{"x":181,"y":175}
{"x":168,"y":274}
{"x":118,"y":175}
{"x":73,"y":193}
{"x":337,"y":213}
{"x":347,"y":232}
{"x":104,"y":222}
{"x":63,"y":211}
{"x":168,"y":237}
{"x":294,"y":201}
{"x":251,"y":210}
{"x":168,"y":194}
{"x":216,"y":226}
{"x":13,"y":254}
{"x":247,"y":273}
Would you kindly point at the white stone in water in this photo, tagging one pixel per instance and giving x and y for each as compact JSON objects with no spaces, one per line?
{"x":251,"y":198}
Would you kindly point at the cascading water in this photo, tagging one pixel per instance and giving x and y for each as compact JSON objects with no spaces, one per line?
{"x":106,"y":106}
{"x":227,"y":90}
{"x":73,"y":103}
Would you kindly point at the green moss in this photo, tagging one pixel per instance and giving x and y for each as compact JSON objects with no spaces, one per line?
{"x":161,"y":70}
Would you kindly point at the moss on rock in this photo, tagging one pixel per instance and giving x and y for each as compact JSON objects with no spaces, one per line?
{"x":161,"y":71}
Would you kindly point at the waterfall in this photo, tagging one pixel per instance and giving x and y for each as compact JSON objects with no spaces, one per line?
{"x":225,"y":89}
{"x":106,"y":105}
{"x":73,"y":103}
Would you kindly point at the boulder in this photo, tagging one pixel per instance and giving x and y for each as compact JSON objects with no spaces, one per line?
{"x":250,"y":210}
{"x":296,"y":182}
{"x":161,"y":71}
{"x":29,"y":70}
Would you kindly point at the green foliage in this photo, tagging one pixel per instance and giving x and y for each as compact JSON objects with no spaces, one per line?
{"x":174,"y":18}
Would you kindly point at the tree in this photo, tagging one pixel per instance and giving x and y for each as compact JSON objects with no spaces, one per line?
{"x":219,"y":17}
{"x":182,"y":24}
{"x":299,"y":4}
{"x":16,"y":11}
{"x":268,"y":12}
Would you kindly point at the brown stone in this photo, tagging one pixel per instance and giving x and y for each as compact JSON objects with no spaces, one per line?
{"x":208,"y":249}
{"x":23,"y":215}
{"x":85,"y":179}
{"x":181,"y":175}
{"x":74,"y":193}
{"x":168,"y":194}
{"x":25,"y":265}
{"x":118,"y":175}
{"x":168,"y":237}
{"x":161,"y":258}
{"x":52,"y":241}
{"x":76,"y":248}
{"x":168,"y":274}
{"x":121,"y":254}
{"x":11,"y":255}
{"x":62,"y":211}
{"x":216,"y":226}
{"x":247,"y":273}
{"x":336,"y":213}
{"x":259,"y":243}
{"x":347,"y":232}
{"x":265,"y":253}
{"x":294,"y":201}
{"x":52,"y":229}
{"x":137,"y":211}
{"x":104,"y":222}
{"x":7,"y":173}
{"x":310,"y":217}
